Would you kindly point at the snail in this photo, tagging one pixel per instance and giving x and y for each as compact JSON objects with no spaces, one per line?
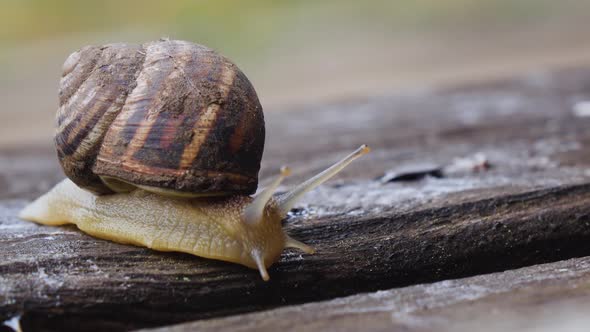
{"x":161,"y":144}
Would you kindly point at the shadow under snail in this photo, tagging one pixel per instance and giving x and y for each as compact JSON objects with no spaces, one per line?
{"x":161,"y":144}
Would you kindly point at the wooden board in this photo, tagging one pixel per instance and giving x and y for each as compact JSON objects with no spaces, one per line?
{"x":531,"y":206}
{"x":546,"y":297}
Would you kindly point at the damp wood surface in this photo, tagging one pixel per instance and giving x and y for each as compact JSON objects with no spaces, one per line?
{"x":511,"y":189}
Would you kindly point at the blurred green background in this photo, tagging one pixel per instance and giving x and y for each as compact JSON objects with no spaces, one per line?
{"x":294,"y":52}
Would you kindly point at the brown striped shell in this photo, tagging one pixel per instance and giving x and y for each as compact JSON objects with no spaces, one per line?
{"x":169,"y":116}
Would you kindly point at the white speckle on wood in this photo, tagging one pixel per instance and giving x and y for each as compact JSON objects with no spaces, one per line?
{"x":13,"y":323}
{"x":53,"y":281}
{"x":582,"y":109}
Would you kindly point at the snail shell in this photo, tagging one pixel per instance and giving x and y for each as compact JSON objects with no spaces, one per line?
{"x":171,"y":117}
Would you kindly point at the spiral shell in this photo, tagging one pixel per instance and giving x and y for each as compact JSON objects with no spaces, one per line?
{"x":171,"y":115}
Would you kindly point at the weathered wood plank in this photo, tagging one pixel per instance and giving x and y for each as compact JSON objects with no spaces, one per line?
{"x":548,"y":297}
{"x":532,"y":206}
{"x":74,"y":276}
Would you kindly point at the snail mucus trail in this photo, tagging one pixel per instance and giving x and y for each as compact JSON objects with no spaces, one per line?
{"x":161,"y":144}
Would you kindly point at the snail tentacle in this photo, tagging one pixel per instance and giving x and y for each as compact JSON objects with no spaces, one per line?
{"x":292,"y":243}
{"x":260,"y":264}
{"x":288,"y":200}
{"x":253,"y":212}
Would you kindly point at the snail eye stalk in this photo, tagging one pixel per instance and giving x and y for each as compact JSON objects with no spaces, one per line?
{"x":253,"y":213}
{"x":288,"y":200}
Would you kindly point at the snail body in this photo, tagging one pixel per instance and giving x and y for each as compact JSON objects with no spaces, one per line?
{"x":238,"y":229}
{"x":161,"y":143}
{"x":200,"y":227}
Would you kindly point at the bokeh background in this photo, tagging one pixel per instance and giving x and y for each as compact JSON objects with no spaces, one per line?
{"x":294,"y":52}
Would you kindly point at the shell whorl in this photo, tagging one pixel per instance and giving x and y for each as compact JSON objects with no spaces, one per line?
{"x":166,"y":114}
